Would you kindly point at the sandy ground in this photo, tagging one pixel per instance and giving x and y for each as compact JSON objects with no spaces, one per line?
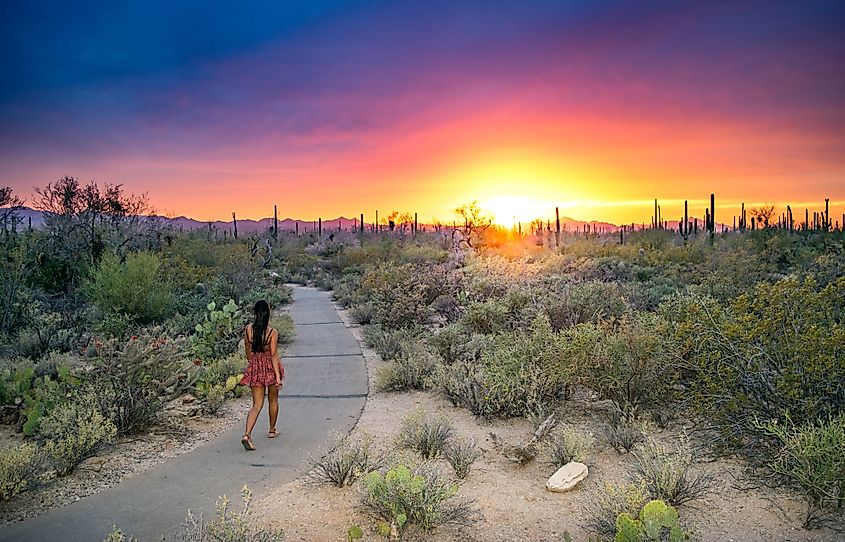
{"x":512,"y":501}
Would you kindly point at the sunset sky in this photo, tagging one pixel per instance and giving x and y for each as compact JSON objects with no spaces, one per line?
{"x":338,"y":108}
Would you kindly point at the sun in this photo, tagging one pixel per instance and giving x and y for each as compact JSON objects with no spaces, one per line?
{"x":508,"y":210}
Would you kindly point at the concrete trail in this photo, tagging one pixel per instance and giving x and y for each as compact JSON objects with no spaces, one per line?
{"x":324,"y":392}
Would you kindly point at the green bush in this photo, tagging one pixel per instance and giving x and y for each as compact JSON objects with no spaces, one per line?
{"x":19,"y":467}
{"x":609,"y":502}
{"x":74,"y":432}
{"x":584,"y":302}
{"x":283,"y":324}
{"x":455,"y":343}
{"x":465,"y":385}
{"x":217,"y":373}
{"x":669,"y":473}
{"x":775,"y":353}
{"x":413,"y":497}
{"x":396,"y":295}
{"x":525,"y":373}
{"x":629,"y":364}
{"x":426,"y":435}
{"x":412,"y":369}
{"x":812,"y":458}
{"x":276,"y":296}
{"x":135,"y":288}
{"x":388,"y":344}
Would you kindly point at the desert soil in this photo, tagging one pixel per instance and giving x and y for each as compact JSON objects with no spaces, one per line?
{"x":511,"y":500}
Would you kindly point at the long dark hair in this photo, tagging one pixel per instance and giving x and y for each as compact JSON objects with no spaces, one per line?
{"x":259,"y":327}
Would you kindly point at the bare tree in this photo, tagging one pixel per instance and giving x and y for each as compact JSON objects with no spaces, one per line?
{"x":476,"y":220}
{"x":88,"y":219}
{"x":763,"y":215}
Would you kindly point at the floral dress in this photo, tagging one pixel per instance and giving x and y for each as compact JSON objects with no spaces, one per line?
{"x":259,"y":369}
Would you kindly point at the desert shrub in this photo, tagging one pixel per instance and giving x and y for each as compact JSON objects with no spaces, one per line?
{"x":134,"y":287}
{"x":74,"y":432}
{"x":623,"y":435}
{"x":346,"y":291}
{"x":114,"y":324}
{"x":214,"y":399}
{"x":116,"y":535}
{"x":525,"y":372}
{"x":135,"y":379}
{"x":464,"y":384}
{"x":345,"y":463}
{"x":486,"y":318}
{"x":388,"y":344}
{"x":361,"y":314}
{"x":420,"y":497}
{"x":461,"y":454}
{"x":584,"y":302}
{"x":220,"y":331}
{"x":283,"y":324}
{"x":412,"y":369}
{"x":628,"y":364}
{"x":775,"y":353}
{"x":669,"y":473}
{"x":657,"y":522}
{"x":606,"y":504}
{"x":276,"y":296}
{"x":455,"y":343}
{"x":38,"y":396}
{"x":45,"y":329}
{"x":236,"y":272}
{"x":568,"y":445}
{"x":426,"y":435}
{"x":396,"y":295}
{"x":19,"y":467}
{"x":812,"y":458}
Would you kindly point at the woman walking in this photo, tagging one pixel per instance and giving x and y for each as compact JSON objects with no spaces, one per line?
{"x":263,"y":370}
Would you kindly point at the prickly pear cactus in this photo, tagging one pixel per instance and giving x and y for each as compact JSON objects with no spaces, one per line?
{"x":656,"y":516}
{"x":657,"y":520}
{"x":628,"y":529}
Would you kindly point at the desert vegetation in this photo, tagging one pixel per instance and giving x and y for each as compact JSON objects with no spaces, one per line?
{"x":109,"y":316}
{"x":733,"y":342}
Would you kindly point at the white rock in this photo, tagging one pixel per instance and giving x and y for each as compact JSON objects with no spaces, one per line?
{"x":567,"y":477}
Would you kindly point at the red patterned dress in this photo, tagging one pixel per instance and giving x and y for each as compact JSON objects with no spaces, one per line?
{"x":259,"y":369}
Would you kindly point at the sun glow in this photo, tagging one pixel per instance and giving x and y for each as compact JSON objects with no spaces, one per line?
{"x":508,"y":210}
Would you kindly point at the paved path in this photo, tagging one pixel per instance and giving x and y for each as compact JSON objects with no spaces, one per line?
{"x":325,"y":390}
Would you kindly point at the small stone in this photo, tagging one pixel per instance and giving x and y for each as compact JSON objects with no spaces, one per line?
{"x":187,"y":399}
{"x":567,"y":477}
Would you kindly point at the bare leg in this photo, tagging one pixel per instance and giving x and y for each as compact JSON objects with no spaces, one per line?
{"x":257,"y":405}
{"x":273,"y":407}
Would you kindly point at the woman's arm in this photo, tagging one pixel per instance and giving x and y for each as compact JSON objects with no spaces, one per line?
{"x":274,"y":353}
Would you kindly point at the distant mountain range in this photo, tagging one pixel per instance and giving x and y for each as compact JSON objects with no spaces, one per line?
{"x":343,"y":223}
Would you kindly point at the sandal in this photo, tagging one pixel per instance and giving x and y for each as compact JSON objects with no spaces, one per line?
{"x":248,"y":444}
{"x":272,"y":434}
